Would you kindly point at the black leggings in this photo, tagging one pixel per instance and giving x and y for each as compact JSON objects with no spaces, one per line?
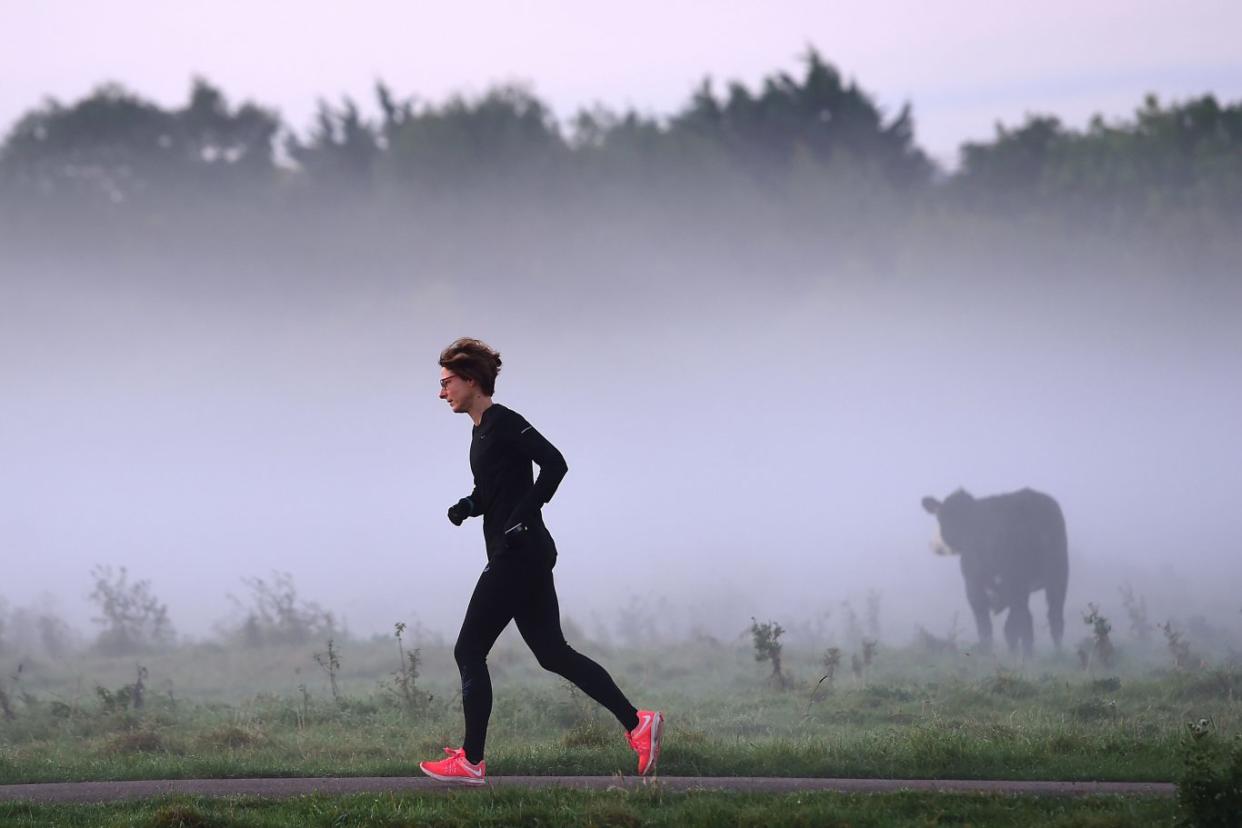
{"x":520,"y":590}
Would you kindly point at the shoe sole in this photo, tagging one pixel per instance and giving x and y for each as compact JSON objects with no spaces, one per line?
{"x":657,"y":733}
{"x":454,"y":780}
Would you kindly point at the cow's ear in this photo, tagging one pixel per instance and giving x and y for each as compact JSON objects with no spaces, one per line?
{"x":931,"y":505}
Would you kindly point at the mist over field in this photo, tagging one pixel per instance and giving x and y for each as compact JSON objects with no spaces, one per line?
{"x":753,"y":386}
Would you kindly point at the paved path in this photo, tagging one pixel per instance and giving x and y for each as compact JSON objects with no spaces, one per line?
{"x":113,"y":791}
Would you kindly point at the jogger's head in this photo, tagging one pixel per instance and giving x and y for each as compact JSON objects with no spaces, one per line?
{"x":468,"y":369}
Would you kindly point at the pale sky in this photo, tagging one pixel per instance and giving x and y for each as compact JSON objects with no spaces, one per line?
{"x":963,"y":64}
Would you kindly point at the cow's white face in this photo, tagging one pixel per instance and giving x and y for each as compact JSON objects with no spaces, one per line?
{"x":939,"y":546}
{"x":953,"y":519}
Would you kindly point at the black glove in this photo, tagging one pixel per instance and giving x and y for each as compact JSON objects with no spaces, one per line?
{"x":460,"y":510}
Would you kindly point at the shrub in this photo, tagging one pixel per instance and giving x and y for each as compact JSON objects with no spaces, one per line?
{"x":767,"y":639}
{"x":133,"y":619}
{"x":590,"y":734}
{"x":1094,"y":710}
{"x":234,"y":737}
{"x":1211,"y":685}
{"x":330,"y":663}
{"x":276,"y":615}
{"x":1209,"y":792}
{"x":1179,"y":647}
{"x":1010,"y":686}
{"x":1101,"y":652}
{"x":137,"y":741}
{"x":405,"y":680}
{"x":831,"y":660}
{"x":182,"y":816}
{"x":34,"y":630}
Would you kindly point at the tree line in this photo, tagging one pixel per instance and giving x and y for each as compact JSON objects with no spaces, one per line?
{"x":114,"y":151}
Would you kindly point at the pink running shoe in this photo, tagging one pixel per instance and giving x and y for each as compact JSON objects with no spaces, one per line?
{"x":456,"y":768}
{"x":645,"y":739}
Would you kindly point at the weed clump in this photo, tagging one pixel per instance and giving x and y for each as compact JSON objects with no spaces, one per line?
{"x":767,"y":640}
{"x":1179,"y":648}
{"x":234,"y":737}
{"x":1136,"y":609}
{"x":1063,"y":744}
{"x":1211,"y":685}
{"x":1209,"y":792}
{"x":129,"y":697}
{"x":831,"y":660}
{"x":1099,"y":648}
{"x":882,"y":694}
{"x":590,"y":734}
{"x":182,"y":816}
{"x":138,"y":741}
{"x":1094,"y":710}
{"x":1010,"y":686}
{"x":937,"y":747}
{"x":330,"y":662}
{"x":870,"y":647}
{"x":933,"y":644}
{"x":405,"y":680}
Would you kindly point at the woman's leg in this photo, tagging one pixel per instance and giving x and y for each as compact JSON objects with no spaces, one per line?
{"x":489,"y":612}
{"x":539,"y":621}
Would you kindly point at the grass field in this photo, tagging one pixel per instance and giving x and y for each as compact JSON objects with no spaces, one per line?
{"x":214,"y":710}
{"x":217,"y":711}
{"x":610,"y":808}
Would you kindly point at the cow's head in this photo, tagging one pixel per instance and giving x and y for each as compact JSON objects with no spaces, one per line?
{"x":955,"y":516}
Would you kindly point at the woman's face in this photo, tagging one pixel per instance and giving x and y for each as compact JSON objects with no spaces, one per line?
{"x":458,"y":392}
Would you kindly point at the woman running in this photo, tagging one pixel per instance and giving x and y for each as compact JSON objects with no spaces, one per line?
{"x":516,"y":584}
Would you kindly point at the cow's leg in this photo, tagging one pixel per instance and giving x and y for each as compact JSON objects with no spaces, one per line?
{"x":1019,"y":626}
{"x":981,"y":606}
{"x":1056,"y":612}
{"x":1026,"y":626}
{"x":1011,"y":629}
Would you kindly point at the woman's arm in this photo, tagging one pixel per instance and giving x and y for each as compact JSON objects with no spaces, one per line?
{"x":552,"y":468}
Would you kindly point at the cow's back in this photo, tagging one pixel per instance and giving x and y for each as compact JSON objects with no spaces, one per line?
{"x":1028,"y":541}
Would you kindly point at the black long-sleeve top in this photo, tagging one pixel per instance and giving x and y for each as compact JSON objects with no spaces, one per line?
{"x":506,"y":493}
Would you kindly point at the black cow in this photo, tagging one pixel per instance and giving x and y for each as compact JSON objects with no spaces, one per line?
{"x":1011,"y":545}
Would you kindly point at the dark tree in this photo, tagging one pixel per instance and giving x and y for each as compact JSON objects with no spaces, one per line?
{"x":506,"y":137}
{"x":342,"y":148}
{"x":819,"y":116}
{"x":1183,"y":160}
{"x":113,"y":148}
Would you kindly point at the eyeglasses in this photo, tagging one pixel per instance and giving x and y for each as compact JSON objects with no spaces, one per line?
{"x":444,"y":381}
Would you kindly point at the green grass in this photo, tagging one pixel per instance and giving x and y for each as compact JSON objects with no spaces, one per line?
{"x":217,"y":712}
{"x":606,"y":808}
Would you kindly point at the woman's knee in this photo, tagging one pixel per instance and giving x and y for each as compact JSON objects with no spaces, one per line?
{"x":468,"y":655}
{"x":555,"y":657}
